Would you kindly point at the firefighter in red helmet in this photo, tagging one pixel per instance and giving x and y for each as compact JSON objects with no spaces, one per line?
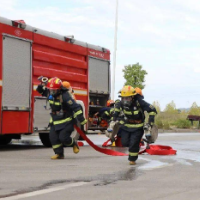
{"x":64,"y":108}
{"x":106,"y":112}
{"x":110,"y":103}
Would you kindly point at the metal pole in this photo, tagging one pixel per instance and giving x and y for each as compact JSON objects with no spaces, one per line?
{"x":115,"y":50}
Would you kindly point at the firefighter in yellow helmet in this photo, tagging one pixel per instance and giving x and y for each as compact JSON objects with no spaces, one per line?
{"x":133,"y":107}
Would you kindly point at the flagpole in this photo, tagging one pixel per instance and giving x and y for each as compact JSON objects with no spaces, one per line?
{"x":115,"y":51}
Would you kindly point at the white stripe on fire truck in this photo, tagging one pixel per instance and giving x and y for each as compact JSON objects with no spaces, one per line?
{"x":80,"y":92}
{"x":76,"y":92}
{"x":34,"y":87}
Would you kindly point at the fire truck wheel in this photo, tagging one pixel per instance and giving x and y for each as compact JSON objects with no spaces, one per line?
{"x":4,"y":140}
{"x":44,"y":137}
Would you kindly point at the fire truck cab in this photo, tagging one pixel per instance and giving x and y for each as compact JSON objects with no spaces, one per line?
{"x":28,"y":52}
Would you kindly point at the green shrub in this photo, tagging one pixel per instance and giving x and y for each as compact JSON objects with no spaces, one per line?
{"x":182,"y":123}
{"x":166,"y":125}
{"x":159,"y":123}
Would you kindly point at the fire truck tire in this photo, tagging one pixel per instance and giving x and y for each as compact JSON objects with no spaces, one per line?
{"x":44,"y":137}
{"x":4,"y":140}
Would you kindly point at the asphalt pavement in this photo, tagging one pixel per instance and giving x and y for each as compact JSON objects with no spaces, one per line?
{"x":27,"y":172}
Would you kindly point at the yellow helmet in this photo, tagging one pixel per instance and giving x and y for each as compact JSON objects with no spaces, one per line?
{"x":127,"y":91}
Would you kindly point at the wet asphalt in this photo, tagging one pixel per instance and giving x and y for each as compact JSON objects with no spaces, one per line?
{"x":26,"y":171}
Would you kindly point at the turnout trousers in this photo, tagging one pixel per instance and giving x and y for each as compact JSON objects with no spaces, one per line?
{"x":61,"y":138}
{"x":131,"y":138}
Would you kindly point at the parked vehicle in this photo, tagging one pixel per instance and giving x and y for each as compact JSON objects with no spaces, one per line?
{"x":28,"y":52}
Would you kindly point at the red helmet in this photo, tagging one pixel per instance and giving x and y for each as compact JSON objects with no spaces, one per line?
{"x":109,"y":103}
{"x":54,"y":83}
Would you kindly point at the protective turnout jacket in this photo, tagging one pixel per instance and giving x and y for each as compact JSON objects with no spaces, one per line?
{"x":64,"y":108}
{"x":106,"y":113}
{"x":134,"y":115}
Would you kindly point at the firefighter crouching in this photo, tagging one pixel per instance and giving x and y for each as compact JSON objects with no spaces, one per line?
{"x":64,"y":108}
{"x":133,"y":107}
{"x":106,"y":114}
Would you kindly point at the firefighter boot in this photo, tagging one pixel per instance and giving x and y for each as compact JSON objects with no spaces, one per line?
{"x":57,"y":156}
{"x":132,"y":163}
{"x":113,"y":144}
{"x":75,"y":147}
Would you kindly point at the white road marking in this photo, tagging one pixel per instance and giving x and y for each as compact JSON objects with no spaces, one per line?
{"x":44,"y":191}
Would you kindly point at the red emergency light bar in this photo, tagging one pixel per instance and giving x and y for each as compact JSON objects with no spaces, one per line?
{"x":69,"y":39}
{"x":19,"y":24}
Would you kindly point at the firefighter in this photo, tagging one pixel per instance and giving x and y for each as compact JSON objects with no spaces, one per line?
{"x":67,"y":85}
{"x":139,"y":92}
{"x":133,"y":107}
{"x":64,"y":108}
{"x":106,"y":113}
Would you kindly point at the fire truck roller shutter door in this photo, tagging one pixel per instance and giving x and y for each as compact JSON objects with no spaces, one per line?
{"x":99,"y":75}
{"x":17,"y":84}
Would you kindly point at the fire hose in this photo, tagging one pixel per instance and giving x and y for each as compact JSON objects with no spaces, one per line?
{"x":152,"y":150}
{"x":99,"y":149}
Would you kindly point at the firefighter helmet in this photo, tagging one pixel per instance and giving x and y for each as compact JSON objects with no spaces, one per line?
{"x":127,"y":91}
{"x":109,"y":103}
{"x":138,"y":91}
{"x":66,"y":84}
{"x":54,"y":83}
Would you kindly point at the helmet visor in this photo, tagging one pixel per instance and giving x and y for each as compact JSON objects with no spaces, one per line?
{"x":53,"y":91}
{"x":127,"y":101}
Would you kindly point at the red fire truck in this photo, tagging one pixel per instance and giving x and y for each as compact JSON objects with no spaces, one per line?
{"x":28,"y":52}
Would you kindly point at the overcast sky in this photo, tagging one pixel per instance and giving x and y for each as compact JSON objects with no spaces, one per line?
{"x":163,"y":36}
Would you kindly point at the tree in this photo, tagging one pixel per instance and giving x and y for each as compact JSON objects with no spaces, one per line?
{"x":134,"y":75}
{"x":194,"y":110}
{"x":171,"y":108}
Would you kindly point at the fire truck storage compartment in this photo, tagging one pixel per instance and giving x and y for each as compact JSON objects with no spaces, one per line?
{"x":41,"y":114}
{"x":99,"y":86}
{"x":16,"y":87}
{"x":98,"y":76}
